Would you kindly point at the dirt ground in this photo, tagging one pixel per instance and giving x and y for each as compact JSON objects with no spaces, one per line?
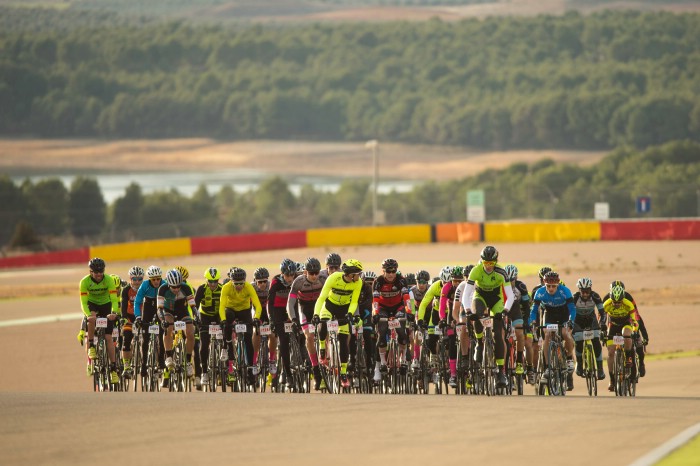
{"x":396,"y":161}
{"x":46,"y":396}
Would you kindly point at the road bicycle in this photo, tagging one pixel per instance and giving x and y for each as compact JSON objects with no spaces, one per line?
{"x":588,"y":363}
{"x":218,"y":358}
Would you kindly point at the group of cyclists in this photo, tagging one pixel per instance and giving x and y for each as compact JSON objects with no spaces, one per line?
{"x":399,"y":319}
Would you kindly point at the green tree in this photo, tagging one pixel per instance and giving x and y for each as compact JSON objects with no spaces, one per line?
{"x":87,"y":210}
{"x":47,"y":205}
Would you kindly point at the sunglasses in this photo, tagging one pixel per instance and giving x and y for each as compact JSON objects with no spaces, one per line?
{"x":489,"y":263}
{"x":312,"y":273}
{"x":175,"y":287}
{"x":238,"y":283}
{"x":551,"y":285}
{"x":261,"y":282}
{"x":390,"y":271}
{"x":422,"y":282}
{"x":212,"y":282}
{"x":332,"y":267}
{"x":136,"y":279}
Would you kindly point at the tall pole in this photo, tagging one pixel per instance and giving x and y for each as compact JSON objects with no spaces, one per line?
{"x":373,"y":144}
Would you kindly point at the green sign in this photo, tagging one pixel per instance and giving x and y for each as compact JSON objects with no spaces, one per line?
{"x":475,"y":197}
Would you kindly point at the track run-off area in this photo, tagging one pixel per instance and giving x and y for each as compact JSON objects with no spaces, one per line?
{"x":50,"y":415}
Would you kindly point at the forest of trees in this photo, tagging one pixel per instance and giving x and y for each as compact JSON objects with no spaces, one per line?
{"x":46,"y":215}
{"x":587,"y":82}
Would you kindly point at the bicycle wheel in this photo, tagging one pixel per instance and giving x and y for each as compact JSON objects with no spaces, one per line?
{"x":632,"y":381}
{"x":554,"y":381}
{"x":136,"y":359}
{"x":489,"y":365}
{"x":619,"y":372}
{"x":335,"y":353}
{"x":589,"y":369}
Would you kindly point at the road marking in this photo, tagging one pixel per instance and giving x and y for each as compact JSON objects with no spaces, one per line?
{"x":665,"y":449}
{"x":42,"y":320}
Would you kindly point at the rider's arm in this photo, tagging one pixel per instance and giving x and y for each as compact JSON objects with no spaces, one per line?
{"x":443,"y":299}
{"x":510,"y":297}
{"x":199,"y":295}
{"x":293,"y":298}
{"x":189,"y":298}
{"x":323,"y":296}
{"x":432,"y":293}
{"x":140,"y":295}
{"x":355,"y":299}
{"x":225,"y":290}
{"x":113,"y":296}
{"x":570,"y":304}
{"x":467,"y":295}
{"x":84,"y":295}
{"x":125,"y":301}
{"x":535,"y":307}
{"x":254,"y":299}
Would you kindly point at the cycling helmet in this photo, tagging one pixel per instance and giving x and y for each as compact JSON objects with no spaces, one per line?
{"x":411,"y":279}
{"x":288,"y":267}
{"x":136,"y":271}
{"x":333,"y":259}
{"x":446,"y":273}
{"x":617,"y":293}
{"x":261,"y":273}
{"x":154,"y":272}
{"x":543,"y":271}
{"x":457,"y":272}
{"x":511,"y":272}
{"x":212,"y":274}
{"x":351,"y":266}
{"x":313,"y":265}
{"x":236,"y":274}
{"x":617,"y":283}
{"x":423,"y":275}
{"x":174,"y":278}
{"x":184,"y":272}
{"x":96,"y":264}
{"x":390,"y":264}
{"x":300,"y":267}
{"x":489,"y":253}
{"x":584,"y":282}
{"x":368,"y":276}
{"x":117,"y":281}
{"x":468,"y":270}
{"x":551,"y":278}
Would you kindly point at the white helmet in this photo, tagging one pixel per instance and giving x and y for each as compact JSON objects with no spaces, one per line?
{"x":154,"y":272}
{"x":446,"y":273}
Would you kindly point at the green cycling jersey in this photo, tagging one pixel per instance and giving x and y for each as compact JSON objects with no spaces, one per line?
{"x":101,"y":292}
{"x":339,"y":293}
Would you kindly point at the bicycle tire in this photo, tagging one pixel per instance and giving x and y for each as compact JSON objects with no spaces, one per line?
{"x":489,"y":364}
{"x":554,"y":379}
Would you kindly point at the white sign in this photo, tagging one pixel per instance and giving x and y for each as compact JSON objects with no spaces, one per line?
{"x":241,"y":328}
{"x":214,"y":329}
{"x":101,"y":322}
{"x":588,"y":334}
{"x":601,"y":211}
{"x":332,"y":326}
{"x":476,"y":210}
{"x":265,"y":330}
{"x":179,"y":325}
{"x":154,"y":329}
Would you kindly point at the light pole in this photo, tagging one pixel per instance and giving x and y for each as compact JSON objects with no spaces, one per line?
{"x":374,"y":145}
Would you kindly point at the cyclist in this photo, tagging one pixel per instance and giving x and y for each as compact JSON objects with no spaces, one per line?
{"x":237,"y":295}
{"x":145,"y":307}
{"x":623,"y":321}
{"x":136,"y":274}
{"x":98,"y":298}
{"x":486,"y":283}
{"x":558,"y":302}
{"x":333,"y":262}
{"x":587,"y":303}
{"x":365,"y":316}
{"x":642,"y":328}
{"x":277,"y":298}
{"x":305,"y":291}
{"x":193,"y":313}
{"x":261,"y":285}
{"x":338,"y":299}
{"x":533,"y":333}
{"x":175,"y":298}
{"x":207,"y":298}
{"x":390,"y":300}
{"x":447,"y":296}
{"x":459,"y":315}
{"x":416,"y":294}
{"x":429,"y":319}
{"x":521,"y":304}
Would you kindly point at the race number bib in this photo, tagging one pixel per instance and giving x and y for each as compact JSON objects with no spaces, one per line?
{"x":487,"y":323}
{"x":115,"y":333}
{"x":214,"y":329}
{"x":101,"y":322}
{"x":179,"y":325}
{"x":241,"y":328}
{"x":437,"y":331}
{"x":288,"y":327}
{"x":394,"y":323}
{"x":265,"y":330}
{"x":359,"y":329}
{"x":552,"y":327}
{"x":154,"y":329}
{"x":588,"y":334}
{"x":332,"y":326}
{"x":619,"y":340}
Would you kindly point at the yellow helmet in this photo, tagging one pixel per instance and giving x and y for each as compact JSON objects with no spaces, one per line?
{"x":351,"y":266}
{"x":183,"y":271}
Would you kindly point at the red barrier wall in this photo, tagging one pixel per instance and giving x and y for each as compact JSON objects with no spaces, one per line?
{"x":249,"y":242}
{"x":70,"y":256}
{"x":650,"y":230}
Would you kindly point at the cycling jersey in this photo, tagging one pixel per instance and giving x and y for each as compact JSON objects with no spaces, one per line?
{"x":555,"y":305}
{"x":277,"y":299}
{"x":416,"y":296}
{"x":337,"y":294}
{"x":620,"y":313}
{"x":127,"y":302}
{"x":390,"y":295}
{"x":489,"y":288}
{"x":172,"y":300}
{"x":208,"y":300}
{"x":447,"y":294}
{"x":305,"y":292}
{"x":586,"y":308}
{"x":238,"y":300}
{"x":99,"y":293}
{"x":431,"y":296}
{"x":146,"y":291}
{"x":365,"y":303}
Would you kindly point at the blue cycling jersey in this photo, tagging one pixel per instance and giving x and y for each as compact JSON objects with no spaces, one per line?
{"x":562,"y":300}
{"x":146,"y":290}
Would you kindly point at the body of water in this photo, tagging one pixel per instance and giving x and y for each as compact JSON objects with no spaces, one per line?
{"x":113,"y":185}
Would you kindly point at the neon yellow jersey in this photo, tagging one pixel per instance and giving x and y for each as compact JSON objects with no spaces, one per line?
{"x":98,"y":293}
{"x":339,"y":292}
{"x":239,"y":300}
{"x":622,"y":311}
{"x":432,"y":295}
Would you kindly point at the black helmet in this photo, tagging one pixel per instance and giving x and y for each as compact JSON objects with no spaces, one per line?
{"x":551,"y":278}
{"x":543,"y":272}
{"x":423,"y":275}
{"x":489,"y":253}
{"x":96,"y":264}
{"x":457,"y":272}
{"x":333,"y":259}
{"x":313,"y":265}
{"x":390,"y":264}
{"x":411,"y":279}
{"x":288,"y":267}
{"x":261,"y":273}
{"x":468,"y":270}
{"x":236,"y":274}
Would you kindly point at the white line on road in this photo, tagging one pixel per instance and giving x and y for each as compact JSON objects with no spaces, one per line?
{"x":42,"y":320}
{"x":665,"y":449}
